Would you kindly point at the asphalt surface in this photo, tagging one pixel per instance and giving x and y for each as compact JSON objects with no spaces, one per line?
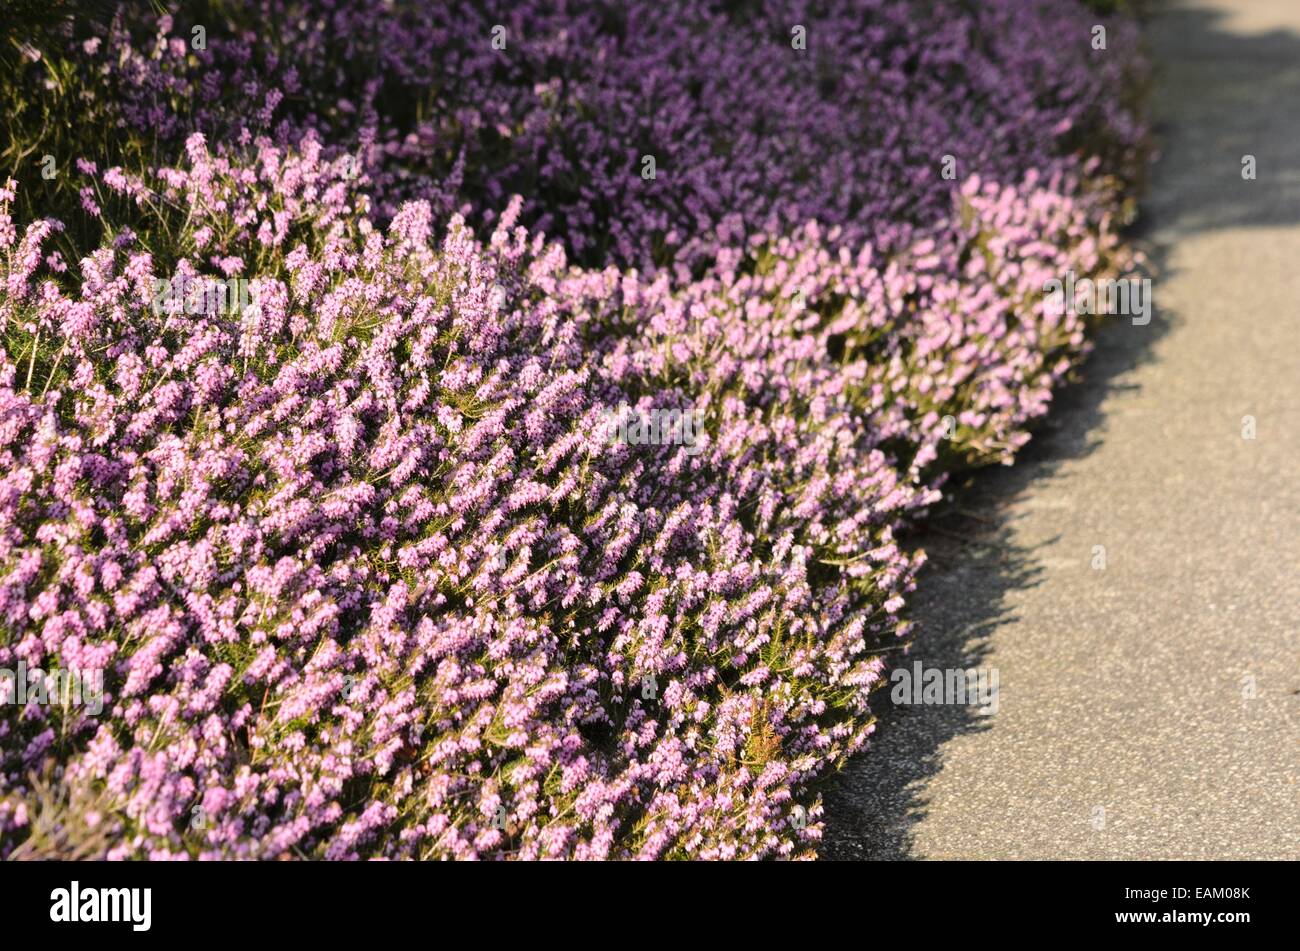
{"x":1150,"y":708}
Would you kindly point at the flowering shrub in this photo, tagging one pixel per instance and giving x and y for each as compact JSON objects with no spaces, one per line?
{"x":364,"y":571}
{"x":747,"y":133}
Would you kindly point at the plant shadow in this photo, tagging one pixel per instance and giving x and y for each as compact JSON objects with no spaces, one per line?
{"x":873,"y":804}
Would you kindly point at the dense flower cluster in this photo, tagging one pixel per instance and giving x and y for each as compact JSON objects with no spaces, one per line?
{"x":366,"y":577}
{"x":747,"y":132}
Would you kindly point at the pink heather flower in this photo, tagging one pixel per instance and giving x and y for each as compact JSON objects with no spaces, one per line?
{"x":363,"y":573}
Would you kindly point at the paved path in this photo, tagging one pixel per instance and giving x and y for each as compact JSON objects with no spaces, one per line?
{"x":1128,"y":689}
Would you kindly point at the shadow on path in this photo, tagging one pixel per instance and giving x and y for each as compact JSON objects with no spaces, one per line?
{"x":873,"y":805}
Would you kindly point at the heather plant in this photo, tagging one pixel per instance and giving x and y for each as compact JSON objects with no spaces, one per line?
{"x":363,"y":570}
{"x":747,"y":134}
{"x":62,"y":113}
